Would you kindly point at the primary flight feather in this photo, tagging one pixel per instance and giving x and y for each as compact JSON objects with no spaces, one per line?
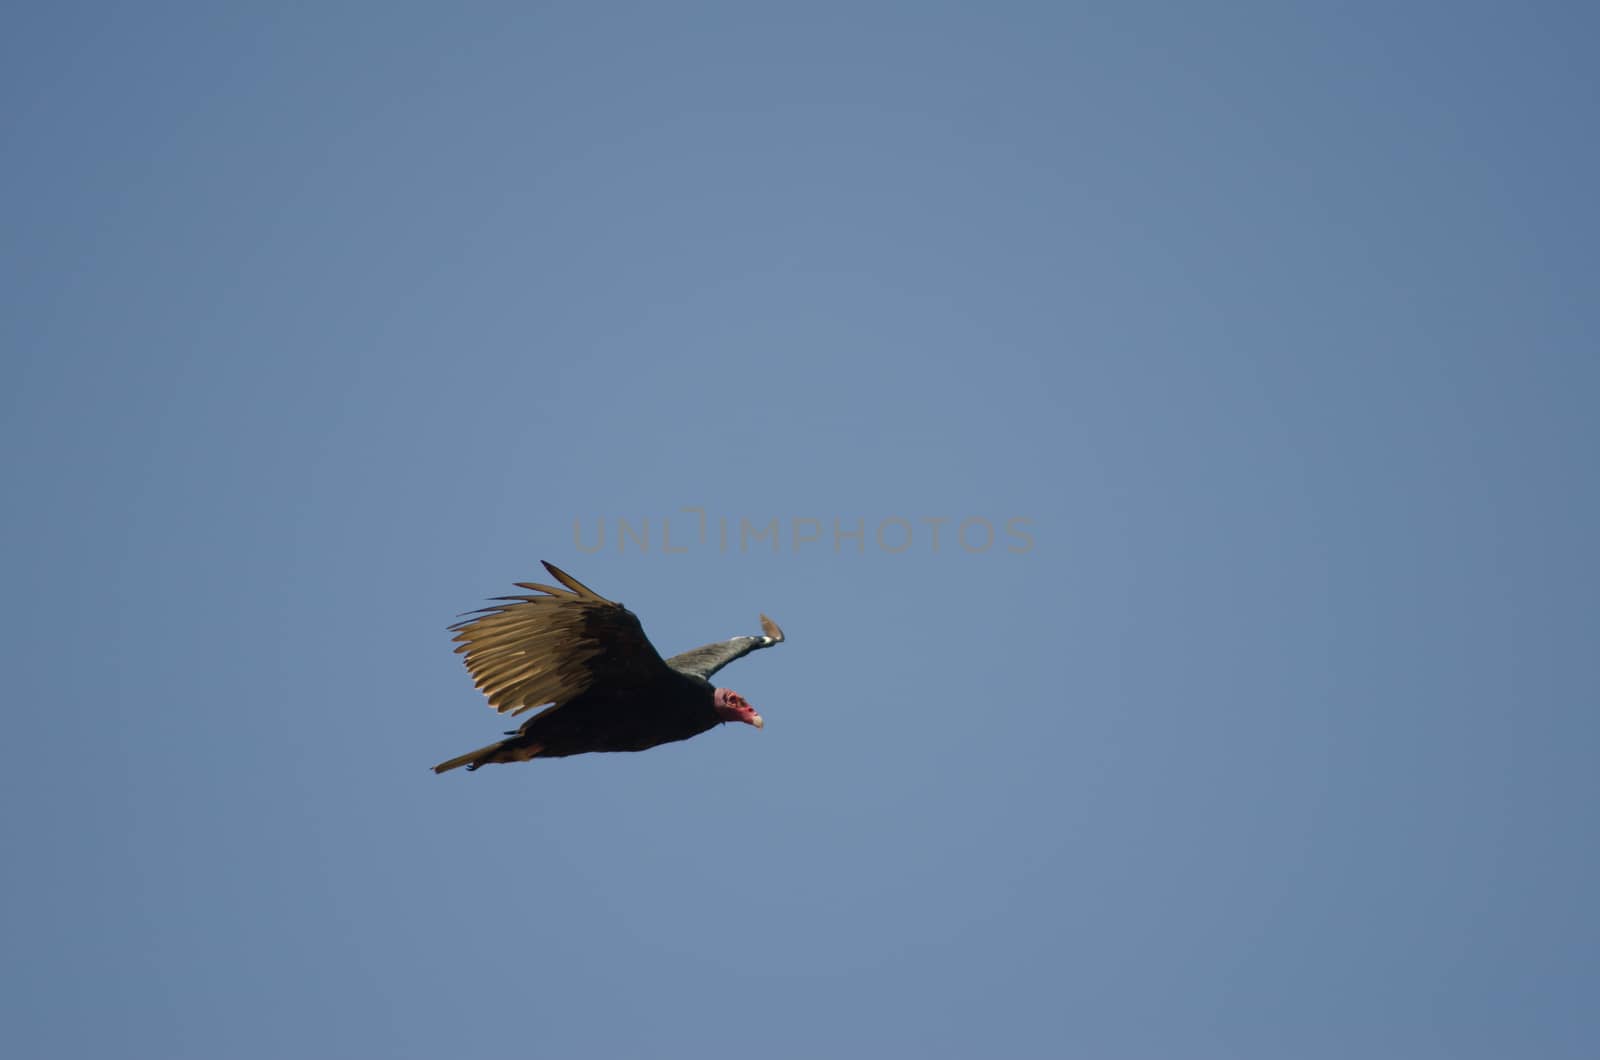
{"x":602,"y":684}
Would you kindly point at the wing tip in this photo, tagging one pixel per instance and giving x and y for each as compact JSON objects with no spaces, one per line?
{"x":570,"y":582}
{"x":770,"y":628}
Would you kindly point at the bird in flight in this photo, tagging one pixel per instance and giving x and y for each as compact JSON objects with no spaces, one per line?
{"x":602,"y":684}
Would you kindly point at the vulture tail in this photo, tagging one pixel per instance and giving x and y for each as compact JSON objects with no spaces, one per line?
{"x":516,"y":749}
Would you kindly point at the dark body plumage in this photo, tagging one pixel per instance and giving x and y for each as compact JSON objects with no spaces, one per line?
{"x":607,"y":719}
{"x":587,"y":660}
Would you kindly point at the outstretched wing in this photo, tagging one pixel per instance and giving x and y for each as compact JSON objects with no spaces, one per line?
{"x":704,"y":661}
{"x":537,"y":649}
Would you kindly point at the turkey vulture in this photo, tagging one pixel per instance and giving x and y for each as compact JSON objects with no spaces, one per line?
{"x":606,"y":687}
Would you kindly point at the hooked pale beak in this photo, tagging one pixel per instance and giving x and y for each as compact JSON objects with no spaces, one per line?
{"x":755,"y":719}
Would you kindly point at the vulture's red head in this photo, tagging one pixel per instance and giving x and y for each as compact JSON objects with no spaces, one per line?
{"x":731,"y":706}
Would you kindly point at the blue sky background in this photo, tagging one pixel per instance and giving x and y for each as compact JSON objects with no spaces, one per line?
{"x":323,"y":323}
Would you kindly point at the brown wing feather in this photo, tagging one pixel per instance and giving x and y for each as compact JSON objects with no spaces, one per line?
{"x":532,"y":650}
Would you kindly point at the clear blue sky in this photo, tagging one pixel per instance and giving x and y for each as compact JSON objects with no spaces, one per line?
{"x":323,"y":323}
